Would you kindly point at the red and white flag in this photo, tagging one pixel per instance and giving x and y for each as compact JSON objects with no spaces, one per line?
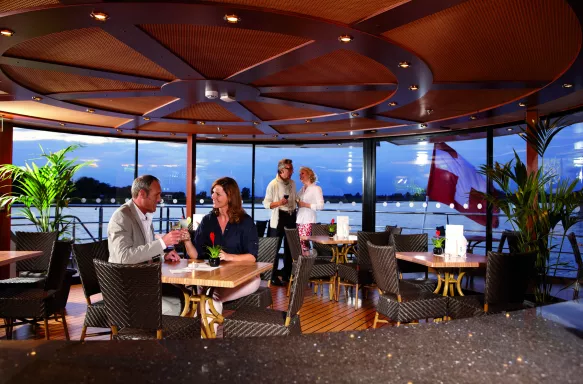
{"x":453,"y":180}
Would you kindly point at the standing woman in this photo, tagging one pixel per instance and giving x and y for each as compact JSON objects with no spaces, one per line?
{"x":234,"y":230}
{"x":310,"y":200}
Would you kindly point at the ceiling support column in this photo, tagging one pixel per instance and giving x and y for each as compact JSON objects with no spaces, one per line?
{"x":531,"y":154}
{"x":6,"y":136}
{"x":190,"y":175}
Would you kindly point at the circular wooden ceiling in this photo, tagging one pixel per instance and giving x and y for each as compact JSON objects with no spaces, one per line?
{"x":281,"y":72}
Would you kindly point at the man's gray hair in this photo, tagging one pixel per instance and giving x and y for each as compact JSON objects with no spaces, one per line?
{"x":282,"y":163}
{"x":143,"y":182}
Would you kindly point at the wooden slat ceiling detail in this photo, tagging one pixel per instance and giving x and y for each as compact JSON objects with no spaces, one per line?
{"x":446,"y":103}
{"x":343,"y":11}
{"x":340,"y":67}
{"x":268,"y":111}
{"x":509,"y":117}
{"x":34,"y":109}
{"x":13,"y":5}
{"x":205,"y":111}
{"x":89,"y":48}
{"x":344,"y":100}
{"x":333,"y":126}
{"x":44,"y":81}
{"x":208,"y":129}
{"x":515,"y":40}
{"x":132,"y":105}
{"x":219,"y":52}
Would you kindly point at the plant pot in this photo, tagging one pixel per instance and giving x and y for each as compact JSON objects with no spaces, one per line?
{"x":214,"y":261}
{"x":438,"y":251}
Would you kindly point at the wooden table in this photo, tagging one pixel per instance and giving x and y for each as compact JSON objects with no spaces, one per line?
{"x":339,"y":254}
{"x":229,"y":275}
{"x":448,"y":267}
{"x":9,"y":257}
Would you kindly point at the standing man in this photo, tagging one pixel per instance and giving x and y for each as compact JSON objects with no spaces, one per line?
{"x":130,"y":234}
{"x":280,"y":198}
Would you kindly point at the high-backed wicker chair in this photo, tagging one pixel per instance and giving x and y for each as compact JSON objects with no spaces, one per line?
{"x":393,"y":230}
{"x":512,"y":238}
{"x":507,"y":279}
{"x":399,"y":301}
{"x":253,"y":322}
{"x":577,"y":255}
{"x":84,"y":255}
{"x":268,"y":247}
{"x":261,"y":225}
{"x":133,"y":302}
{"x":413,"y":243}
{"x":359,"y":275}
{"x":323,"y":272}
{"x":324,"y":251}
{"x":18,"y":301}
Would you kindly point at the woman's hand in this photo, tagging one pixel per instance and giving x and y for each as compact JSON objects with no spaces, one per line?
{"x":184,"y":235}
{"x":226,"y":256}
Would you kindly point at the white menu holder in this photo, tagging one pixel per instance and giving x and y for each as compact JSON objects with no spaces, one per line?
{"x":196,"y":219}
{"x":342,"y":229}
{"x":455,"y":242}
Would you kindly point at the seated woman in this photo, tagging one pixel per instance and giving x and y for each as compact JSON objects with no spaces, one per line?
{"x":234,"y":230}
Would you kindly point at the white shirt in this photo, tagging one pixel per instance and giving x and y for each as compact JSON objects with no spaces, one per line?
{"x":311,"y":194}
{"x":275,"y":191}
{"x":146,"y":221}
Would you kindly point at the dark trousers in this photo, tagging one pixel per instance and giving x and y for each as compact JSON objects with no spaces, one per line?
{"x":286,"y":220}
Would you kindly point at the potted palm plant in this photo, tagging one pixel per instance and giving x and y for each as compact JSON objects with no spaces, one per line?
{"x":535,"y":203}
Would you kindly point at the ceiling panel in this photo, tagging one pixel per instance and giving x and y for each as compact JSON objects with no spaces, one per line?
{"x":132,"y":105}
{"x":269,"y":111}
{"x":333,"y":126}
{"x":344,"y":100}
{"x":205,"y":111}
{"x":15,"y":5}
{"x":208,"y":129}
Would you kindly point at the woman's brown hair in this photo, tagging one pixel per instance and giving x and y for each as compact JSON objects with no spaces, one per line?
{"x":235,"y":203}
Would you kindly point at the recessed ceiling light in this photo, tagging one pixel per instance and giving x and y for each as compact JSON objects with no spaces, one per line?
{"x":473,"y":117}
{"x":232,"y":19}
{"x":276,"y":136}
{"x":429,"y":111}
{"x":6,"y":32}
{"x":256,"y":123}
{"x":225,"y":135}
{"x":509,"y":129}
{"x":339,"y":144}
{"x":91,"y":110}
{"x":393,"y":104}
{"x":146,"y":118}
{"x":118,"y":130}
{"x":324,"y":134}
{"x":308,"y":120}
{"x":354,"y":114}
{"x":521,"y":104}
{"x":219,"y":129}
{"x":373,"y":131}
{"x":413,"y":87}
{"x":99,"y":16}
{"x":345,"y":38}
{"x":567,"y":85}
{"x":404,"y":64}
{"x":423,"y":125}
{"x":351,"y":133}
{"x":201,"y":123}
{"x":62,"y":124}
{"x":172,"y":134}
{"x":37,"y":98}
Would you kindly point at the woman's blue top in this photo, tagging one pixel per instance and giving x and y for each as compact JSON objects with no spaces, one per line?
{"x":238,"y":239}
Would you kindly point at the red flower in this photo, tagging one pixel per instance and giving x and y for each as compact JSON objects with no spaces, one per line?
{"x":212,"y":236}
{"x":332,"y":222}
{"x":437,"y":233}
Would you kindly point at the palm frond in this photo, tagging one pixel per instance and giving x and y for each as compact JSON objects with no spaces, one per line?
{"x":541,"y":133}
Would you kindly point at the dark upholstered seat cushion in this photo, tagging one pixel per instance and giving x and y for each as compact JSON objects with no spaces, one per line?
{"x":175,"y":328}
{"x":254,"y":322}
{"x":259,"y":299}
{"x":26,"y":302}
{"x":426,"y":285}
{"x":415,"y":305}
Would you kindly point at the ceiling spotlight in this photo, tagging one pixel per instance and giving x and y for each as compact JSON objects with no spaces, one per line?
{"x":423,"y":125}
{"x":345,"y":38}
{"x":91,"y":110}
{"x":308,"y":120}
{"x":62,"y":124}
{"x":509,"y":129}
{"x":354,"y":114}
{"x":6,"y":32}
{"x":172,"y":133}
{"x":276,"y":136}
{"x":218,"y":129}
{"x":373,"y":131}
{"x":429,"y":111}
{"x":473,"y":117}
{"x":200,"y":122}
{"x":146,"y":118}
{"x":118,"y":130}
{"x":521,"y":104}
{"x":404,"y":64}
{"x":324,"y":134}
{"x":414,"y":87}
{"x":393,"y":104}
{"x":256,"y":123}
{"x":339,"y":144}
{"x":37,"y":98}
{"x":567,"y":85}
{"x":99,"y":16}
{"x":232,"y":19}
{"x":225,"y":135}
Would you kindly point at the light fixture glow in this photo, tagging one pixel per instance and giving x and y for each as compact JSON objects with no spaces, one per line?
{"x":308,"y":120}
{"x":118,"y":130}
{"x":398,"y":204}
{"x":324,"y":134}
{"x":201,"y":123}
{"x":349,"y":179}
{"x":451,"y":206}
{"x":466,"y":206}
{"x":146,"y":118}
{"x":393,"y":104}
{"x":99,"y":16}
{"x":473,"y":117}
{"x":429,"y":111}
{"x":232,"y":19}
{"x":414,"y":87}
{"x":6,"y":32}
{"x":256,"y":123}
{"x":354,"y":114}
{"x":521,"y":104}
{"x":423,"y":125}
{"x":90,"y":110}
{"x":62,"y":124}
{"x":509,"y":129}
{"x":404,"y":64}
{"x":479,"y":206}
{"x":437,"y":205}
{"x":411,"y":204}
{"x":172,"y":134}
{"x":37,"y":98}
{"x":567,"y":85}
{"x":345,"y":38}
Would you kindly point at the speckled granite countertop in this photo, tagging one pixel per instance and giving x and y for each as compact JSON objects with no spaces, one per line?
{"x":542,"y":345}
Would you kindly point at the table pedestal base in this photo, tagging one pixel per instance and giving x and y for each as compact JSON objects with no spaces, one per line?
{"x":448,"y":280}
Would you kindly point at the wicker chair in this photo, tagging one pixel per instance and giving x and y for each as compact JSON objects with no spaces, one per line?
{"x":393,"y":230}
{"x":32,"y":271}
{"x":323,"y":272}
{"x":18,"y":301}
{"x":84,"y":255}
{"x":579,"y":262}
{"x":507,"y":279}
{"x":359,"y":274}
{"x":413,"y":243}
{"x":133,"y":302}
{"x":261,"y":225}
{"x":399,"y":301}
{"x":262,"y":297}
{"x":512,"y":238}
{"x":324,"y":251}
{"x":253,"y":322}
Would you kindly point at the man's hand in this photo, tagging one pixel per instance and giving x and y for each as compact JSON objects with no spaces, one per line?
{"x":172,"y":256}
{"x":172,"y":237}
{"x":282,"y":202}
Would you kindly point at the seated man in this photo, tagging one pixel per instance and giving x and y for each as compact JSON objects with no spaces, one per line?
{"x":131,"y":240}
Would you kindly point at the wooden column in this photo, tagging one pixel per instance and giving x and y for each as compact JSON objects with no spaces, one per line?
{"x":531,"y":155}
{"x":5,"y":187}
{"x":190,"y":175}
